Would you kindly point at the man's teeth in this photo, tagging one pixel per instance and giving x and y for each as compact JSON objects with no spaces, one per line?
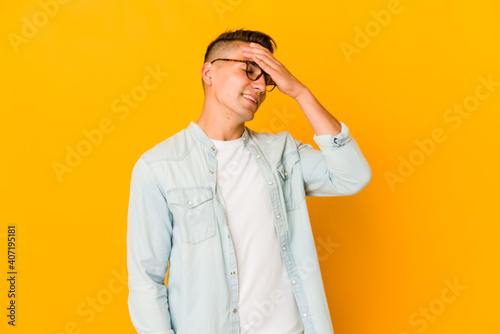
{"x":249,"y":97}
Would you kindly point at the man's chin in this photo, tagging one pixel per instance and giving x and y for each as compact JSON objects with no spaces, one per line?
{"x":248,"y":117}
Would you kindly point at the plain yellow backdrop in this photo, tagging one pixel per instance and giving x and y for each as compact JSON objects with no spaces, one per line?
{"x":417,"y":82}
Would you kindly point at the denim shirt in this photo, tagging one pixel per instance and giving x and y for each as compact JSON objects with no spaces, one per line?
{"x":177,"y":218}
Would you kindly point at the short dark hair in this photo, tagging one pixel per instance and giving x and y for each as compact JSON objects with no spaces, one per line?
{"x":242,"y":35}
{"x":224,"y":41}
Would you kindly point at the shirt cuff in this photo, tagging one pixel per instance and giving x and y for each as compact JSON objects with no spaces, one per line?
{"x":334,"y":141}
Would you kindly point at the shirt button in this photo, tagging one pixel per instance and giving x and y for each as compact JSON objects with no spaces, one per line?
{"x":258,"y":156}
{"x":211,"y":172}
{"x":213,"y":148}
{"x":190,"y":203}
{"x":305,"y":315}
{"x":232,"y":273}
{"x":286,"y":173}
{"x":278,"y":216}
{"x":234,"y":311}
{"x":294,"y":282}
{"x":284,"y":248}
{"x":270,"y":182}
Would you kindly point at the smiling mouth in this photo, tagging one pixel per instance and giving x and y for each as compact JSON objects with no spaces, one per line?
{"x":250,"y":98}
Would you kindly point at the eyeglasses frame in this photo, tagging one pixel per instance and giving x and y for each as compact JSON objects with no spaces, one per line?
{"x":246,"y":70}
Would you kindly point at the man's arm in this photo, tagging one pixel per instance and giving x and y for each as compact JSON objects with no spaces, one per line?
{"x":340,"y":168}
{"x":149,"y":236}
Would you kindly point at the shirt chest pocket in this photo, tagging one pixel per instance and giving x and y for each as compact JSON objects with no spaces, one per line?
{"x":286,"y":175}
{"x":193,"y":213}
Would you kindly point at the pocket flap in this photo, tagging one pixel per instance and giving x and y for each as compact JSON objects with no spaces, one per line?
{"x":189,"y":197}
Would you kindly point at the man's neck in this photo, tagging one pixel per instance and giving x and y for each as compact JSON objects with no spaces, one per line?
{"x":219,"y":128}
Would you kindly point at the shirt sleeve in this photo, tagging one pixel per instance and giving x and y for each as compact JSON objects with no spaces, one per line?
{"x":149,"y":239}
{"x":339,"y":168}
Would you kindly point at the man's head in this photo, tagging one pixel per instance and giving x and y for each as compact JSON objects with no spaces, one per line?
{"x":224,"y":43}
{"x":225,"y":80}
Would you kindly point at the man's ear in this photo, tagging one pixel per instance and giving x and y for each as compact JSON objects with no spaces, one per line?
{"x":206,"y":73}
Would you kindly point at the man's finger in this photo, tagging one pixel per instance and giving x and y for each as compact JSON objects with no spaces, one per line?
{"x":269,"y":60}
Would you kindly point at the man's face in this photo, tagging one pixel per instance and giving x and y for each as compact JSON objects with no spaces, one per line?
{"x":233,"y":90}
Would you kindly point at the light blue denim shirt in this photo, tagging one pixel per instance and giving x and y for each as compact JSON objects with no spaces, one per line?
{"x":177,"y":217}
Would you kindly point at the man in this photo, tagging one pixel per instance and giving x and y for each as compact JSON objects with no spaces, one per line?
{"x":225,"y":206}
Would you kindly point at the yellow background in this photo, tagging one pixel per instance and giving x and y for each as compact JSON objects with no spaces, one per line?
{"x":395,"y":246}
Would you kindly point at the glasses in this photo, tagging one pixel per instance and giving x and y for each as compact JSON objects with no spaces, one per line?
{"x":254,"y":72}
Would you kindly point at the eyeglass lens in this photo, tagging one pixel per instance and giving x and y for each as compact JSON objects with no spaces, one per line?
{"x":254,"y":72}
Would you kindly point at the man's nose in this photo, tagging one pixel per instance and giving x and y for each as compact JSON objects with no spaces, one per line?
{"x":260,"y":84}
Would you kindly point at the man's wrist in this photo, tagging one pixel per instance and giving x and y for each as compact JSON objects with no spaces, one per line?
{"x":302,"y":92}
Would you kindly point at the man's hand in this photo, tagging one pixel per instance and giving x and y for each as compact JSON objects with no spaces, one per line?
{"x":285,"y":81}
{"x":320,"y":119}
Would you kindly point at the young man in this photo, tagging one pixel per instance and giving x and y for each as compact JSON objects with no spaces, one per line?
{"x":225,"y":206}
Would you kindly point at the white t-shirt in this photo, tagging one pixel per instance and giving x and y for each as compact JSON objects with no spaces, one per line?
{"x":266,"y":301}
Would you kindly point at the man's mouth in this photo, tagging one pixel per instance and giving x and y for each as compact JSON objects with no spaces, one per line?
{"x":251,"y":98}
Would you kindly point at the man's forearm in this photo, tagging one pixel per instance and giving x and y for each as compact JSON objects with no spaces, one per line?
{"x":322,"y":122}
